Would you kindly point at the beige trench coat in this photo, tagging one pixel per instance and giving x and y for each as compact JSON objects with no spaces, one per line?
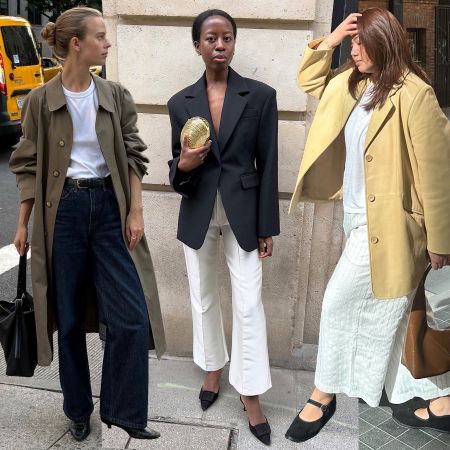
{"x":406,"y":164}
{"x":40,"y":163}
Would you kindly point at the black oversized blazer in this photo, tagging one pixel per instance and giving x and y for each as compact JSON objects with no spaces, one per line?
{"x":242,"y":163}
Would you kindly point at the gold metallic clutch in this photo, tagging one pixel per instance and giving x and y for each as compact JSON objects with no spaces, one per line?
{"x":197,"y":130}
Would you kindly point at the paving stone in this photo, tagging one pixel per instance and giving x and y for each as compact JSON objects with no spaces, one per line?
{"x":415,"y":438}
{"x":375,"y":416}
{"x":30,"y":419}
{"x":375,"y":438}
{"x":395,"y":445}
{"x":444,"y":437}
{"x":435,"y":444}
{"x":391,"y":427}
{"x":183,"y":436}
{"x":114,"y":437}
{"x":364,"y":426}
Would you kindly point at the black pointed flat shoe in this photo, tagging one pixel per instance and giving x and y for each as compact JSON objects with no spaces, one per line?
{"x":261,"y":431}
{"x":135,"y":433}
{"x":207,"y":398}
{"x":406,"y":416}
{"x":79,"y":430}
{"x":301,"y":431}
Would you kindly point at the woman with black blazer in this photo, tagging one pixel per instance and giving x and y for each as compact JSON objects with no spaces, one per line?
{"x":230,"y":188}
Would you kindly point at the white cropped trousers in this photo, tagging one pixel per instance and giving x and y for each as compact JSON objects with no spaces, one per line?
{"x":249,"y":365}
{"x":361,"y":338}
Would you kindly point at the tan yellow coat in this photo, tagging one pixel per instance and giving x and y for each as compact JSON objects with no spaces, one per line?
{"x":40,"y":163}
{"x":406,"y":164}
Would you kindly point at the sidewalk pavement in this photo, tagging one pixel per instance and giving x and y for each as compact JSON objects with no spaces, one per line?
{"x":31,"y":416}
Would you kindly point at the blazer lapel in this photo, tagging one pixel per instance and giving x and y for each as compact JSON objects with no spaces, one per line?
{"x":233,"y":106}
{"x":197,"y":105}
{"x":379,"y":118}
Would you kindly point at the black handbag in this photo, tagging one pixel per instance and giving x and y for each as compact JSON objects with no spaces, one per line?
{"x":18,"y":329}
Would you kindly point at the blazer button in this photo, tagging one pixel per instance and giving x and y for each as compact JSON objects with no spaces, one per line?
{"x":56,"y":173}
{"x":62,"y":143}
{"x":369,"y":158}
{"x":371,"y":198}
{"x":374,"y":240}
{"x":49,"y":204}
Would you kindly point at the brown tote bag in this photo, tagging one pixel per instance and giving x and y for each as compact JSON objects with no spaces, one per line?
{"x":427,"y":351}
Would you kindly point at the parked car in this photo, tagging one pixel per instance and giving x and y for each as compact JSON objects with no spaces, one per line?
{"x":20,"y":72}
{"x":50,"y":67}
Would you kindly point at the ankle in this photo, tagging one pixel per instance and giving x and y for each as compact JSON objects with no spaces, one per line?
{"x":322,"y":397}
{"x":440,"y":406}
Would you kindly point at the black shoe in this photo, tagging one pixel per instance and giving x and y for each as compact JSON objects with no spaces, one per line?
{"x":135,"y":433}
{"x":407,"y":417}
{"x":207,"y":398}
{"x":261,"y":431}
{"x":79,"y":430}
{"x":301,"y":431}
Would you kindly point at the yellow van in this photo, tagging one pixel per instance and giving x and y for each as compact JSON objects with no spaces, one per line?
{"x":20,"y":72}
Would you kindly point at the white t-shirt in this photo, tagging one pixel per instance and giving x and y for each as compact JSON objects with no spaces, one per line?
{"x":86,"y":158}
{"x":354,"y":191}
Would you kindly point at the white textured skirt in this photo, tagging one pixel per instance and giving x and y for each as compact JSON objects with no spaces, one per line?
{"x":361,"y":338}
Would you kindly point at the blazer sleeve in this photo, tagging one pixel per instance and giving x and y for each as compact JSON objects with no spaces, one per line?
{"x":315,"y":69}
{"x":23,"y":161}
{"x":267,"y":167}
{"x":429,"y":130}
{"x":134,"y":145}
{"x":181,"y":182}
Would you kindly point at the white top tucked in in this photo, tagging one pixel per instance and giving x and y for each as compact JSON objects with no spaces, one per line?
{"x":86,"y":159}
{"x":354,"y":191}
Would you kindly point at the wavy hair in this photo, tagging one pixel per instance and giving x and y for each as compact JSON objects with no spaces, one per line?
{"x":385,"y":43}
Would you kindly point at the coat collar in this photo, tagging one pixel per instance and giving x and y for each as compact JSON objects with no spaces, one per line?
{"x":233,"y":106}
{"x":56,"y":98}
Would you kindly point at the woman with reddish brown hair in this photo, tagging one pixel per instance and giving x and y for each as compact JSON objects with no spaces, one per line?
{"x":380,"y":142}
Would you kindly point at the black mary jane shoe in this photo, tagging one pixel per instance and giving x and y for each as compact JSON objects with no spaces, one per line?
{"x":135,"y":433}
{"x":207,"y":398}
{"x":406,"y":416}
{"x":79,"y":430}
{"x":301,"y":431}
{"x":261,"y":431}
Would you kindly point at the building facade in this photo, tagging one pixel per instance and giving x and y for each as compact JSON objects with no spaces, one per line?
{"x":21,"y":8}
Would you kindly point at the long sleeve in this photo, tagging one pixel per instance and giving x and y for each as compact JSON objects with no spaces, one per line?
{"x":23,"y":161}
{"x":315,"y":69}
{"x":134,"y":145}
{"x":267,"y":167}
{"x":429,"y":131}
{"x":182,"y":182}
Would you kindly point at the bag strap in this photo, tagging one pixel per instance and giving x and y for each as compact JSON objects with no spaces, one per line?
{"x":22,"y":278}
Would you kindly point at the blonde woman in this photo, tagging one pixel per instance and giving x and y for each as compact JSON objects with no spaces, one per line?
{"x":80,"y":165}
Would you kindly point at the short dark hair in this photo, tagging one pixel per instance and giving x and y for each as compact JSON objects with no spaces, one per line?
{"x":198,"y":22}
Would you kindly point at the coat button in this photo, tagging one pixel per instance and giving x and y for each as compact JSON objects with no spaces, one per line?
{"x":374,"y":240}
{"x":369,"y":158}
{"x":62,"y":143}
{"x":56,"y":173}
{"x":49,"y":204}
{"x":371,"y":198}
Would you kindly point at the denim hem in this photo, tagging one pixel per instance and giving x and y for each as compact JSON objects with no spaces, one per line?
{"x":115,"y":421}
{"x":79,"y":419}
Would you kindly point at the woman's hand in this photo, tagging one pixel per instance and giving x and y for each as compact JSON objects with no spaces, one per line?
{"x":134,"y":227}
{"x":191,"y":158}
{"x":438,"y":261}
{"x":347,"y":28}
{"x":265,"y":246}
{"x":20,"y":240}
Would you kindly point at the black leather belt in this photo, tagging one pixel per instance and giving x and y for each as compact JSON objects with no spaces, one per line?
{"x":86,"y":183}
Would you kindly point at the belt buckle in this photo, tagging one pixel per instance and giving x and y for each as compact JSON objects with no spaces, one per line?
{"x":80,"y":183}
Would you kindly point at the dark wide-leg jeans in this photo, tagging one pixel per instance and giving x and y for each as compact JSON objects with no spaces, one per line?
{"x":88,"y":237}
